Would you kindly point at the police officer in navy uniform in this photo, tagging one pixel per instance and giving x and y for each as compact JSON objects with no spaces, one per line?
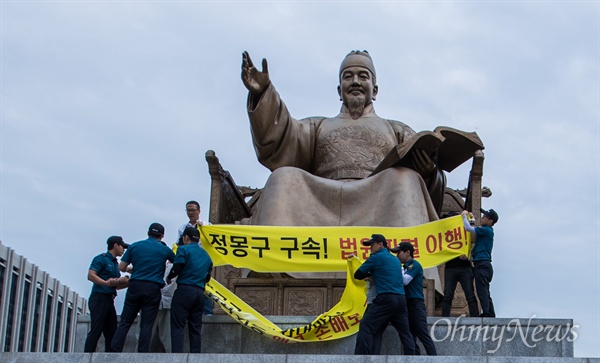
{"x":192,"y":266}
{"x":389,"y":305}
{"x":148,"y":258}
{"x":483,"y":242}
{"x":415,"y":300}
{"x":104,"y":273}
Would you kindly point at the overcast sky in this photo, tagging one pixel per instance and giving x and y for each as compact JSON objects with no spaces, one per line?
{"x":108,"y":107}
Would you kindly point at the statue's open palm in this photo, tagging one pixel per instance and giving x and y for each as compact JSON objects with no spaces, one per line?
{"x":255,"y":81}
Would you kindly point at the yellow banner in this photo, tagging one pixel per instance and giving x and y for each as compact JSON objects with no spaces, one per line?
{"x":326,"y":249}
{"x":339,"y":322}
{"x":318,"y":249}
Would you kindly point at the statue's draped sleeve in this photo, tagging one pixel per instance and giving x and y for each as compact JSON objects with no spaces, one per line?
{"x":280,"y":140}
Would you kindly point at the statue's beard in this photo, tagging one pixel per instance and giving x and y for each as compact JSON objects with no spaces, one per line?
{"x":356,"y":105}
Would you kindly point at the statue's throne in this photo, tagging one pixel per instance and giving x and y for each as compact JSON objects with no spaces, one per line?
{"x":280,"y":294}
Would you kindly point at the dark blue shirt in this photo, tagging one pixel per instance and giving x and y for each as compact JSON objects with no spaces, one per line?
{"x":106,"y":267}
{"x":148,"y":258}
{"x":384,"y":268}
{"x":414,"y":290}
{"x":196,"y":265}
{"x":482,"y":251}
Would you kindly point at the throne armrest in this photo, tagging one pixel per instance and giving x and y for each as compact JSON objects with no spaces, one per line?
{"x":453,"y":199}
{"x":473,"y":198}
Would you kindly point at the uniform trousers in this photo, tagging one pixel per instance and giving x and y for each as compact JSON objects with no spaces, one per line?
{"x":187,"y":306}
{"x":483,"y":277}
{"x":417,"y":319}
{"x":141,"y":295}
{"x":103,"y":321}
{"x":386,"y":308}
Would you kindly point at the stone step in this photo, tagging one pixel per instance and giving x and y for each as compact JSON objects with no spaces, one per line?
{"x":265,"y":358}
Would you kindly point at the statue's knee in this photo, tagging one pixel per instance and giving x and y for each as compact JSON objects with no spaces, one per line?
{"x":285,"y":173}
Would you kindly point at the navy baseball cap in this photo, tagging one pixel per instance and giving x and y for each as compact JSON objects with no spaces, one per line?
{"x":192,"y":233}
{"x":404,"y":246}
{"x":156,"y":229}
{"x":112,"y":240}
{"x":491,"y":214}
{"x":375,"y":238}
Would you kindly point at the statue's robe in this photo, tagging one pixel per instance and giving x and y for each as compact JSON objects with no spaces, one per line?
{"x":321,"y":169}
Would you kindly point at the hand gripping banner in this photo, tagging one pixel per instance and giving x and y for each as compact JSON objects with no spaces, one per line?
{"x":319,"y":249}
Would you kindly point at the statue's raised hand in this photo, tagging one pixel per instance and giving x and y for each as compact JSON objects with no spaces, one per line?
{"x":255,"y":81}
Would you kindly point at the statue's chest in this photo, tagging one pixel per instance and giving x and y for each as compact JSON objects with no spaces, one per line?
{"x":354,"y":145}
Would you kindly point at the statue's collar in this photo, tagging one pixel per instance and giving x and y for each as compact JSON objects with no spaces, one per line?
{"x":368,"y":112}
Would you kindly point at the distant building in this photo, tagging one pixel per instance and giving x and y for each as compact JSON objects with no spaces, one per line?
{"x":37,"y":312}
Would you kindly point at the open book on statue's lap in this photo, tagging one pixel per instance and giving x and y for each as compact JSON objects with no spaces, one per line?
{"x":453,"y":147}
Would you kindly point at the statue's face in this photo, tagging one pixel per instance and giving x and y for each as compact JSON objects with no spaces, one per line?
{"x":357,"y":83}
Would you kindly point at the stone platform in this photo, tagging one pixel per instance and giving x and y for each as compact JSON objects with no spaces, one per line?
{"x":480,"y":338}
{"x":264,"y":358}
